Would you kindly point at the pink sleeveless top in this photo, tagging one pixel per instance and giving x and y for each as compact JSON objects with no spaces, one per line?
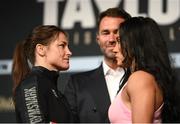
{"x":119,"y":113}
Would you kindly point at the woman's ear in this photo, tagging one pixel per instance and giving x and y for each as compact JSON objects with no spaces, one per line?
{"x":40,"y":49}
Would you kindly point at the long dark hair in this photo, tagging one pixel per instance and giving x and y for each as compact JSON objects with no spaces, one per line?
{"x":24,"y":53}
{"x":142,"y":44}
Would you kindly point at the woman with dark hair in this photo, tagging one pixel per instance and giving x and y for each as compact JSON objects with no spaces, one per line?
{"x":35,"y":92}
{"x":148,"y":95}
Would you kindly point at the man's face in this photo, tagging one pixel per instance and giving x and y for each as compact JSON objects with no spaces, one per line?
{"x":107,"y":35}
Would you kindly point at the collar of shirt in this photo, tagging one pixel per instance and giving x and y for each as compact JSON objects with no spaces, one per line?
{"x":109,"y":71}
{"x":113,"y":78}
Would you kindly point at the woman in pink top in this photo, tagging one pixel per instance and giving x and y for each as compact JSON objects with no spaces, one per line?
{"x":148,"y":95}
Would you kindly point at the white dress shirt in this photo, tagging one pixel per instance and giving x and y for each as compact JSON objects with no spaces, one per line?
{"x":112,"y":78}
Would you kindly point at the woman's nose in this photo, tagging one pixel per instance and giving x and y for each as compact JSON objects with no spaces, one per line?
{"x":69,"y":52}
{"x":116,"y":48}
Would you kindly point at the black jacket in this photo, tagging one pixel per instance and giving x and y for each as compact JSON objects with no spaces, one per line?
{"x":88,"y":96}
{"x":37,"y":98}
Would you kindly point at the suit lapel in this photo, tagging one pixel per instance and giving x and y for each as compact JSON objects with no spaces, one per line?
{"x":99,"y":91}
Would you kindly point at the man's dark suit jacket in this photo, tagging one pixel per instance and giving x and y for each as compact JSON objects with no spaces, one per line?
{"x":88,"y":96}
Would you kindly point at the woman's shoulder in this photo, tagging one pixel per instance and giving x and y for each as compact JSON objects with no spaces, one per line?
{"x":141,"y":75}
{"x":30,"y":81}
{"x":141,"y":79}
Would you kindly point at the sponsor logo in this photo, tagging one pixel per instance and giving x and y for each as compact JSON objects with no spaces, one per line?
{"x":32,"y":104}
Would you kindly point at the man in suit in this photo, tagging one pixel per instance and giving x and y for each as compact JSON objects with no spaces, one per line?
{"x":91,"y":93}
